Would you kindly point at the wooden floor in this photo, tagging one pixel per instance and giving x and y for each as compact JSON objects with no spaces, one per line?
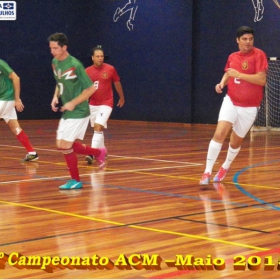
{"x":146,"y":203}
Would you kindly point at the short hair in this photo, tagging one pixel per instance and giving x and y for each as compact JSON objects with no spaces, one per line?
{"x":60,"y":38}
{"x":244,"y":30}
{"x":97,"y":48}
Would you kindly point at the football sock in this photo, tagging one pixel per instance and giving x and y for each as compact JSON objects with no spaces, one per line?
{"x":231,"y":155}
{"x":23,"y":139}
{"x":212,"y":155}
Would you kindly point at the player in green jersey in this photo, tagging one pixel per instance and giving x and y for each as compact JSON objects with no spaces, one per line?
{"x":10,"y":102}
{"x":73,"y":87}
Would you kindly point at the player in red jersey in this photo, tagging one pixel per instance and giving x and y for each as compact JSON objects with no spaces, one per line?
{"x":101,"y":102}
{"x":245,"y":77}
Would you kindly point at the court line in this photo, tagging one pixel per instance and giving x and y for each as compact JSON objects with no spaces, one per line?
{"x":238,"y":186}
{"x":88,"y":174}
{"x":140,"y":171}
{"x":134,"y":226}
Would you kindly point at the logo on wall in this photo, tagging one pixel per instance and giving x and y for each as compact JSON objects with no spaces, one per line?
{"x":8,"y":10}
{"x":130,"y":7}
{"x":259,"y":8}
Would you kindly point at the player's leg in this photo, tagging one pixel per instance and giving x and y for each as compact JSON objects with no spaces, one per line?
{"x":227,"y":116}
{"x":245,"y":120}
{"x":214,"y":149}
{"x":67,"y":133}
{"x":98,"y":119}
{"x":94,"y":143}
{"x":10,"y":116}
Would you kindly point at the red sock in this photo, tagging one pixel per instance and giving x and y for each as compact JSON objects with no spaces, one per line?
{"x":23,"y":139}
{"x":85,"y":150}
{"x":72,"y":163}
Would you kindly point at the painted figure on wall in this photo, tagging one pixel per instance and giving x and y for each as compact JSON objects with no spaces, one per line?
{"x":130,"y":7}
{"x":259,"y":8}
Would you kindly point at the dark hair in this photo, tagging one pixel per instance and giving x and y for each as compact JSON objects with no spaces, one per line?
{"x":97,"y":48}
{"x":60,"y":38}
{"x":244,"y":30}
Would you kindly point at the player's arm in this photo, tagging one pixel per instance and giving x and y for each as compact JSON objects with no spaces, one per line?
{"x":119,"y":89}
{"x":257,"y":79}
{"x":277,"y":4}
{"x":219,"y":87}
{"x":55,"y":99}
{"x":16,"y":84}
{"x":85,"y":95}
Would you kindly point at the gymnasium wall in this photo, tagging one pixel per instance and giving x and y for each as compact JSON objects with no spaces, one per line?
{"x":169,"y":54}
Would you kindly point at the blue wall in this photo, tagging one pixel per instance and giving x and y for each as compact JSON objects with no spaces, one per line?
{"x":169,"y":62}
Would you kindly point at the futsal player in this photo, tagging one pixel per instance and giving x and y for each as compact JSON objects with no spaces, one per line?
{"x":101,"y":102}
{"x":10,"y":102}
{"x":245,"y":77}
{"x":73,"y":87}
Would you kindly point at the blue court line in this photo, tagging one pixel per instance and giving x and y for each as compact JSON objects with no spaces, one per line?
{"x":235,"y":181}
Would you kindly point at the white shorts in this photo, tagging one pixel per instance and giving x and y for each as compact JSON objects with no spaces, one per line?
{"x":100,"y":114}
{"x":72,"y":129}
{"x":7,"y":110}
{"x":242,"y":118}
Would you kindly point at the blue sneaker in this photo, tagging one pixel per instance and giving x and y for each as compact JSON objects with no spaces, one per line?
{"x":71,"y":185}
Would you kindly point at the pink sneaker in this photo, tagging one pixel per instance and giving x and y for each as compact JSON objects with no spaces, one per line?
{"x":101,"y":158}
{"x":220,"y":176}
{"x":205,"y":179}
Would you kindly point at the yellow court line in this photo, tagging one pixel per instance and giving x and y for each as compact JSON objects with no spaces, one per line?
{"x":135,"y":227}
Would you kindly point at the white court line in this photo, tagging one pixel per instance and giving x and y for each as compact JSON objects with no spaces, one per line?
{"x":139,"y":158}
{"x":96,"y":173}
{"x":39,"y":149}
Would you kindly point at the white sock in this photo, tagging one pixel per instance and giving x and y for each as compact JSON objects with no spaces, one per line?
{"x":212,"y":155}
{"x":102,"y":144}
{"x":231,"y":155}
{"x":97,"y":139}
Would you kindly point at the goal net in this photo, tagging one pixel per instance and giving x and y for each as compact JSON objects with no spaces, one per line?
{"x":269,"y":114}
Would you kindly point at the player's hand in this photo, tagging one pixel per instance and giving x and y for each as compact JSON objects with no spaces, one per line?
{"x":19,"y":106}
{"x":54,"y":104}
{"x":69,"y":106}
{"x":219,"y":88}
{"x":232,"y":73}
{"x":121,"y":102}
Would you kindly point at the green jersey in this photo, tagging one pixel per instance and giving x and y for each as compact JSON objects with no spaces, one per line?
{"x":6,"y":84}
{"x":71,"y":80}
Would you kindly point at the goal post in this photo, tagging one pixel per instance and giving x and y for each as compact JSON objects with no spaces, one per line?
{"x":268,"y":117}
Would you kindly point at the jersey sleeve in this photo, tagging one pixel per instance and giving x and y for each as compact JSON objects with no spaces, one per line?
{"x":228,"y":63}
{"x":115,"y":76}
{"x":83,"y":76}
{"x":261,"y":62}
{"x":5,"y":68}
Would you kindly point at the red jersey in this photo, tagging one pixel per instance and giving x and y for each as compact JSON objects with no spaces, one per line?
{"x":243,"y":93}
{"x":103,"y":77}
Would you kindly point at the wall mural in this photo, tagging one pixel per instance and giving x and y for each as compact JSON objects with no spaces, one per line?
{"x":259,"y":8}
{"x":130,"y":7}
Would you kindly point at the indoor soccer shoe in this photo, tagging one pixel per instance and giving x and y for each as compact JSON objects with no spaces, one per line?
{"x":205,"y":179}
{"x":71,"y":185}
{"x":220,"y":176}
{"x":30,"y":157}
{"x":101,"y":158}
{"x":89,"y":159}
